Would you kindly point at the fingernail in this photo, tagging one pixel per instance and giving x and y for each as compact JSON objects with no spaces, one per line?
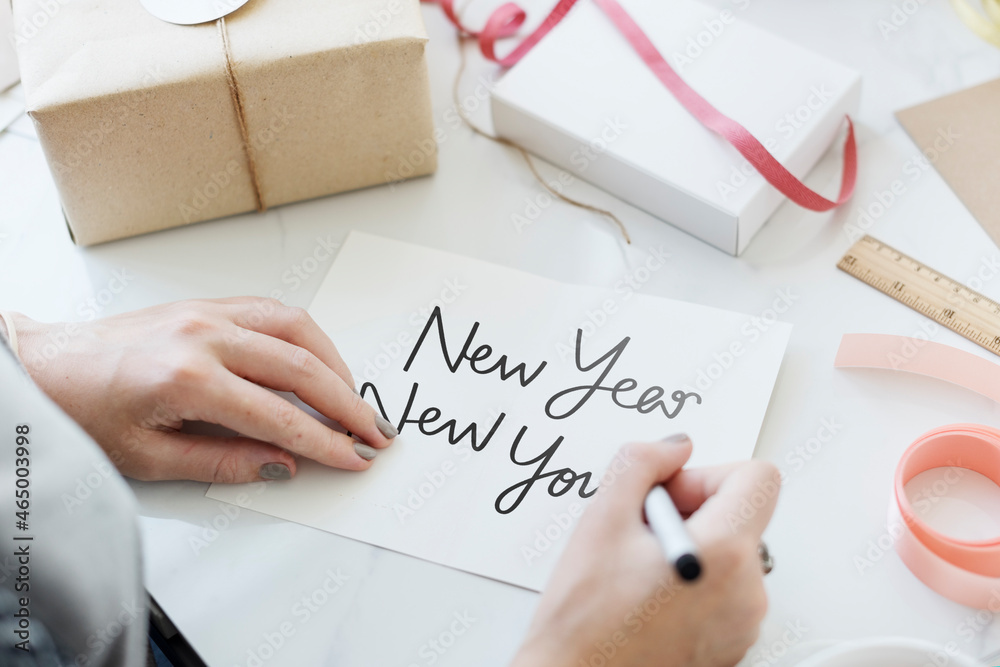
{"x":355,"y":390}
{"x":676,"y":439}
{"x":387,"y":429}
{"x":364,"y":451}
{"x":274,"y":471}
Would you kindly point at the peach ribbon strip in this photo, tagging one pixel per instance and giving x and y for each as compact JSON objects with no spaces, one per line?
{"x":922,"y":357}
{"x":509,"y":17}
{"x":965,"y":571}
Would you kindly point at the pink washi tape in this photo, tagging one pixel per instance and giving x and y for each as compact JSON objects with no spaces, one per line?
{"x":922,"y":357}
{"x":966,"y":571}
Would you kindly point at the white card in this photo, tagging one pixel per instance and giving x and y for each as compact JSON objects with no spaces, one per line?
{"x":505,"y":506}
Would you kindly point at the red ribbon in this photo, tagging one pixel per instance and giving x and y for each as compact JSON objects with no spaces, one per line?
{"x":508,"y":18}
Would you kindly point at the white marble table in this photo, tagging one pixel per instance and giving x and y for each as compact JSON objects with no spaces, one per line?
{"x":230,"y":592}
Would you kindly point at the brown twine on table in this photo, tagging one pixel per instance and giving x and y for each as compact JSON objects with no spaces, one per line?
{"x":234,"y":91}
{"x":524,"y":152}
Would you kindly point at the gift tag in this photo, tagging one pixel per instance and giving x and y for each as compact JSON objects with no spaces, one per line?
{"x":190,"y":12}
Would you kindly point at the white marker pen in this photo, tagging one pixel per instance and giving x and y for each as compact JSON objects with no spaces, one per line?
{"x":668,"y":526}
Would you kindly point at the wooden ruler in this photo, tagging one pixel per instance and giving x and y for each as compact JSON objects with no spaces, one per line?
{"x":946,"y":301}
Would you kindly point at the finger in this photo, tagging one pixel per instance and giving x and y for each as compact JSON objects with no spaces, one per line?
{"x":171,"y":455}
{"x":280,"y":365}
{"x":294,"y":325}
{"x":646,"y":464}
{"x":259,"y":414}
{"x":742,"y":503}
{"x":690,"y":488}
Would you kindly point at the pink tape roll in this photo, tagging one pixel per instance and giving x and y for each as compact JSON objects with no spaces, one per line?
{"x":966,"y":571}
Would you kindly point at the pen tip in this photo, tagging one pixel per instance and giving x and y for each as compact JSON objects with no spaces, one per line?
{"x":688,"y":567}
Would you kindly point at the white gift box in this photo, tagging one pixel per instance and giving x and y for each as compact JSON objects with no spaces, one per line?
{"x":584,"y":100}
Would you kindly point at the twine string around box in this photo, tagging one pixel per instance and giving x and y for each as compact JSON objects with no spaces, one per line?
{"x":508,"y":18}
{"x":522,"y":150}
{"x":237,"y":96}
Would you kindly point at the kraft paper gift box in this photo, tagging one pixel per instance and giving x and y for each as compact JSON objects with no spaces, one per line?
{"x":584,"y":100}
{"x":139,"y":122}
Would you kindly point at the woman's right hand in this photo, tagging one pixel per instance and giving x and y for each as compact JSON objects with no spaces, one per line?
{"x":614,"y":599}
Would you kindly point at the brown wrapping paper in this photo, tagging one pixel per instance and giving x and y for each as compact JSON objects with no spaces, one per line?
{"x":138,"y":122}
{"x":960,"y":135}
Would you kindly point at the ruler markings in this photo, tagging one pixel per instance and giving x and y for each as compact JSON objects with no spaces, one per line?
{"x":933,"y":294}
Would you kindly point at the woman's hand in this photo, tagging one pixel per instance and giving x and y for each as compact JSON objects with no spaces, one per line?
{"x":614,"y":599}
{"x":132,"y":380}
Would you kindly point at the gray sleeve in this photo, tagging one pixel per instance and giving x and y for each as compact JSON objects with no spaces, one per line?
{"x":79,"y":576}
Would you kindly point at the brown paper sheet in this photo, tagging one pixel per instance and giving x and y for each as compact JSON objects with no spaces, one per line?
{"x":960,"y":135}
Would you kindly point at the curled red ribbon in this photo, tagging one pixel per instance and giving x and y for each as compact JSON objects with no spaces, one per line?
{"x":509,"y":17}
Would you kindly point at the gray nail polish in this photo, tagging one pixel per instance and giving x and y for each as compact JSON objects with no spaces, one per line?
{"x":364,"y":451}
{"x":273,"y":471}
{"x":385,"y":427}
{"x":676,"y":439}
